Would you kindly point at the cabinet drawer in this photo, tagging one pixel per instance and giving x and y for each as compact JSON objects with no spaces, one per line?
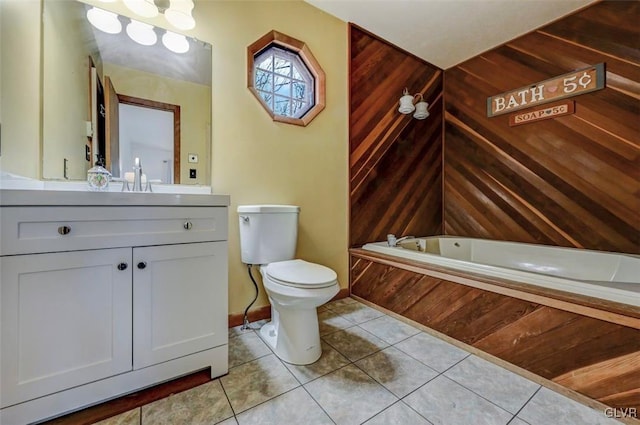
{"x":26,"y":230}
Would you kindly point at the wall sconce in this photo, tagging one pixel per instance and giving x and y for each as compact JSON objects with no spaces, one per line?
{"x":407,"y":106}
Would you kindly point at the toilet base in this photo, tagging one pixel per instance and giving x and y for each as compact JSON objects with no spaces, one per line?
{"x":294,"y":335}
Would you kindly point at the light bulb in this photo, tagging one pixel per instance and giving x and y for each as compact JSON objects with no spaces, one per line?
{"x":142,"y":33}
{"x":175,"y":42}
{"x":104,"y":21}
{"x":145,"y":8}
{"x":179,"y":14}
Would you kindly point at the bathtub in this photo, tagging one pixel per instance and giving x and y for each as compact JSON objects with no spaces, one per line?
{"x":609,"y":276}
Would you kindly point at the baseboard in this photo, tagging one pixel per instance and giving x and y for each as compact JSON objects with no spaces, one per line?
{"x":343,"y":293}
{"x":259,"y":313}
{"x":264,"y":312}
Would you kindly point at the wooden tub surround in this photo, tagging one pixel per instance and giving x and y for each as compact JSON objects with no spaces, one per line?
{"x":586,"y":345}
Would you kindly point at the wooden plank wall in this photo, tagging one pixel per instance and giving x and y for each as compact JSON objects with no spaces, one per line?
{"x":593,"y":357}
{"x":395,"y":161}
{"x":569,"y":181}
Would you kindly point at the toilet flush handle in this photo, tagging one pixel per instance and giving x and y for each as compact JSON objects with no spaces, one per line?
{"x":245,"y":218}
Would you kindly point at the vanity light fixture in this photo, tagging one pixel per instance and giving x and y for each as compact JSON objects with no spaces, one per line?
{"x":177,"y":43}
{"x":142,"y":33}
{"x":407,"y":105}
{"x":104,"y":21}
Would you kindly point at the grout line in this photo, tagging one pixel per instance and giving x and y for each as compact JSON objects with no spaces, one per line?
{"x":228,"y":400}
{"x":318,"y":403}
{"x":487,"y":399}
{"x":525,"y":403}
{"x":431,"y":367}
{"x":418,"y":413}
{"x":481,"y":396}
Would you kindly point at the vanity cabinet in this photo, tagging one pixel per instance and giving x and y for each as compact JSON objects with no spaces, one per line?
{"x":100,"y":301}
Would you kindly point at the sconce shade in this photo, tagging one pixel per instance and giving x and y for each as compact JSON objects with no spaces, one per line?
{"x":142,"y":33}
{"x":175,"y":42}
{"x":104,"y":21}
{"x":422,"y":110}
{"x":406,"y":104}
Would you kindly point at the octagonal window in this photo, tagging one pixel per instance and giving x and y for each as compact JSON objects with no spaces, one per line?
{"x":286,"y":78}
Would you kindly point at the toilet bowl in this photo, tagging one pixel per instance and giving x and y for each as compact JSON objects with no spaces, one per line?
{"x":268,"y":236}
{"x":296,"y":288}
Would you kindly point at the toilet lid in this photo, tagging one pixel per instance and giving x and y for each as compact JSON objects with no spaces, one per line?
{"x":301,"y":274}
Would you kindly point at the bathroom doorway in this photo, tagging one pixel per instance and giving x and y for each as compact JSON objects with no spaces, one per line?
{"x":150,"y":131}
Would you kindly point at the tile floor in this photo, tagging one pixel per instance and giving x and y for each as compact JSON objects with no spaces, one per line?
{"x":374,"y":370}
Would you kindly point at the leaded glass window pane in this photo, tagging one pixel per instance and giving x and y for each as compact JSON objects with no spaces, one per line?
{"x":266,"y":64}
{"x":282,"y":86}
{"x":283,"y":81}
{"x":296,"y":74}
{"x":299,"y":90}
{"x":282,"y":66}
{"x":264,"y":81}
{"x":268,"y":98}
{"x":281,"y":106}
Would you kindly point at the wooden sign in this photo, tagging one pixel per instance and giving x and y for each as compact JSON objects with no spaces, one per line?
{"x":542,"y":113}
{"x":582,"y":81}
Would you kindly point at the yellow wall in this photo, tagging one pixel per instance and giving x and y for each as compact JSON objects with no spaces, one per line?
{"x":253,"y":159}
{"x":256,"y":160}
{"x":195,"y":111}
{"x":65,"y":88}
{"x":20,"y":87}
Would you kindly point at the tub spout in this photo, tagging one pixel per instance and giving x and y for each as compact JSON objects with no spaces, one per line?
{"x":393,"y":241}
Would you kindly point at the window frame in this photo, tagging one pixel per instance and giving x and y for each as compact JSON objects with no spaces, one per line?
{"x":313,"y":67}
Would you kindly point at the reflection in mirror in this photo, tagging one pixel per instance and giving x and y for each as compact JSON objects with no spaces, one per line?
{"x":107,"y":97}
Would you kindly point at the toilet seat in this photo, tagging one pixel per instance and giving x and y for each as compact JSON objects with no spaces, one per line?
{"x":300,"y":274}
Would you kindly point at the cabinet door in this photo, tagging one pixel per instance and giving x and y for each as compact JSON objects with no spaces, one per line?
{"x":180,"y":300}
{"x":66,"y":320}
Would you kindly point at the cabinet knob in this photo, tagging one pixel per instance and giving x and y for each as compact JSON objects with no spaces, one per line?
{"x":142,"y":265}
{"x":64,"y":230}
{"x":187,"y":225}
{"x":122,"y":266}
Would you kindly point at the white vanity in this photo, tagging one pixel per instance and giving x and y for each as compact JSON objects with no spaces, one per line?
{"x":102,"y":294}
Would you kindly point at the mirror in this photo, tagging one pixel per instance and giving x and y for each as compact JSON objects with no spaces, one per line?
{"x":106,"y":96}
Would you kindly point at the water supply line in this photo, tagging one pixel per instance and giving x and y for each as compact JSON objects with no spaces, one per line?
{"x":245,"y":320}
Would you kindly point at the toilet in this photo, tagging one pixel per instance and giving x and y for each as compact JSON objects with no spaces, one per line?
{"x":268,"y":237}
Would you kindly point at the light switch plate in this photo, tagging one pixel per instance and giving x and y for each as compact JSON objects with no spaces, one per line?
{"x":193,"y":158}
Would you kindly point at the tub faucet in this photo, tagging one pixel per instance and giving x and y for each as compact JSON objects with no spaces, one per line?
{"x":393,"y":241}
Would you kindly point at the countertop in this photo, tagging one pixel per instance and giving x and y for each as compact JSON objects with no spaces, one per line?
{"x":12,"y":198}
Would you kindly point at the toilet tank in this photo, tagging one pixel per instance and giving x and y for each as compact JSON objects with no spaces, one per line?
{"x":268,"y":233}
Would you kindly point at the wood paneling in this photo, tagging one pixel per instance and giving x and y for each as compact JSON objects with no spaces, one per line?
{"x":596,"y":358}
{"x":569,"y":181}
{"x":395,"y":161}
